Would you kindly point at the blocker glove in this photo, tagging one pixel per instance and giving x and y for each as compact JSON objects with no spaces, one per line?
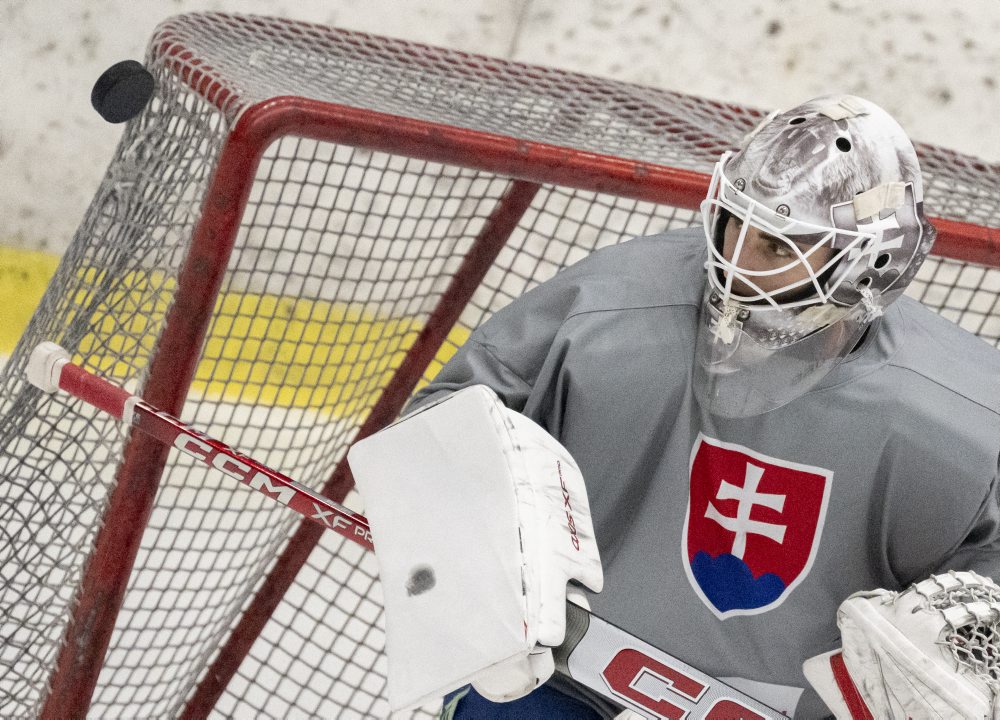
{"x":480,"y":519}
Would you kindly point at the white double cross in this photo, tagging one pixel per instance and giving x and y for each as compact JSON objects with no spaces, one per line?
{"x":747,"y":497}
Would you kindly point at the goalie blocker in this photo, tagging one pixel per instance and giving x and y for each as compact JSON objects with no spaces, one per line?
{"x":479,"y":595}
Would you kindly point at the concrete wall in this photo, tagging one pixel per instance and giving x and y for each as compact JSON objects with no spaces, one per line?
{"x":934,"y":65}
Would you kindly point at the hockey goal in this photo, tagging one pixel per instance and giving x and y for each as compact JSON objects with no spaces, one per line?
{"x":299,"y":229}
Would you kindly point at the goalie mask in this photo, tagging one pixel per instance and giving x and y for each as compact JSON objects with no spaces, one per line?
{"x":813,"y":228}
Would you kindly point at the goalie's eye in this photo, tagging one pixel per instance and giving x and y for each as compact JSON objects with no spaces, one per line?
{"x":779,"y":249}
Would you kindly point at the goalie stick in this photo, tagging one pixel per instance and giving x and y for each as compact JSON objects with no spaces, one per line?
{"x":595,"y":653}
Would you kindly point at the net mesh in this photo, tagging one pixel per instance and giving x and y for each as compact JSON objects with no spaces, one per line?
{"x":341,"y":256}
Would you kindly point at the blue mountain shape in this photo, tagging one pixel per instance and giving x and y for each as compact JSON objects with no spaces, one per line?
{"x":730,"y":585}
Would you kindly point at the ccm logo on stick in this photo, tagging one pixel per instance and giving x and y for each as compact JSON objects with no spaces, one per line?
{"x":651,"y":685}
{"x":231,"y":466}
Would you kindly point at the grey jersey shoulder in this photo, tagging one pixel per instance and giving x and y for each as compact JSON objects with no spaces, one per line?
{"x":645,"y":272}
{"x":513,"y":348}
{"x":938,"y":408}
{"x":936,"y":351}
{"x":655,"y":271}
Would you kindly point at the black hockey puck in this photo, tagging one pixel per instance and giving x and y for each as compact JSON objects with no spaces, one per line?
{"x":122,"y":91}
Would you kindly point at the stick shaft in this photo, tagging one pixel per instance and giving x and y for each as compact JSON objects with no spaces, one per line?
{"x":111,"y":398}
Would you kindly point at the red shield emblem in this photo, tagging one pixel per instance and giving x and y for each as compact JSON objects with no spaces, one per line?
{"x":753,"y":526}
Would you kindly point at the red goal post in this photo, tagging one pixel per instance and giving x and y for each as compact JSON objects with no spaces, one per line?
{"x":300,"y":227}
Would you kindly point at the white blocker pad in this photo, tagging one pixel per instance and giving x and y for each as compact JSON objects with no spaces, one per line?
{"x":479,"y":519}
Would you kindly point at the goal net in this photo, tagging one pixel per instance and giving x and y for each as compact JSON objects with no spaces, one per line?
{"x":297,"y":232}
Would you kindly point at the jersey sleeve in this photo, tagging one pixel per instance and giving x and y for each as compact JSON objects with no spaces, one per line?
{"x":948,"y":520}
{"x":475,"y":363}
{"x":980,"y":548}
{"x":941,"y":465}
{"x":512,"y":352}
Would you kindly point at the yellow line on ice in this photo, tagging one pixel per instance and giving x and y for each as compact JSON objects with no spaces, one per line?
{"x":24,"y":275}
{"x":273,"y":350}
{"x":262,"y":349}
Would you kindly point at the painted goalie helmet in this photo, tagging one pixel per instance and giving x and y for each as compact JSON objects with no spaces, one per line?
{"x":833,"y":188}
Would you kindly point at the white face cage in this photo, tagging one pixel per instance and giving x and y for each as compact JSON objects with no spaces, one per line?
{"x":756,"y":352}
{"x":722,"y":271}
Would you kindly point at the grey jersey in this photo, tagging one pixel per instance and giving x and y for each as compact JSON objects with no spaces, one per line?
{"x":730,"y":543}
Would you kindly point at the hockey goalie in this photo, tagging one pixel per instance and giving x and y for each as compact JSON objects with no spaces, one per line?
{"x":765,"y":429}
